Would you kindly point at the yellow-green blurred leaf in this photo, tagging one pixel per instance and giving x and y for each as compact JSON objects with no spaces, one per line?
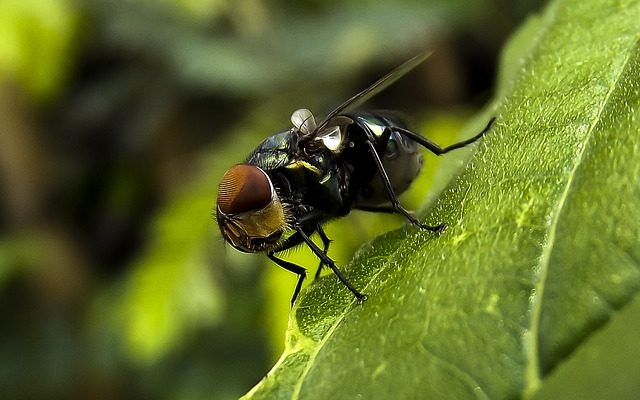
{"x":36,"y":40}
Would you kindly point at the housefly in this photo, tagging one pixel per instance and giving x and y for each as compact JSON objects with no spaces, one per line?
{"x":313,"y":172}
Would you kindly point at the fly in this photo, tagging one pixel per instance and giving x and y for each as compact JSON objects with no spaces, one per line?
{"x":298,"y":179}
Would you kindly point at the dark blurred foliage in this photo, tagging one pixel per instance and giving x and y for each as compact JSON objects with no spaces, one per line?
{"x":117,"y":118}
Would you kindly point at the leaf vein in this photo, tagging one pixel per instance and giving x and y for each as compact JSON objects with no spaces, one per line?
{"x":532,"y":372}
{"x":464,"y":376}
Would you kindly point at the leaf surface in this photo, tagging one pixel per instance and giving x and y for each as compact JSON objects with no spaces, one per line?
{"x":542,"y":249}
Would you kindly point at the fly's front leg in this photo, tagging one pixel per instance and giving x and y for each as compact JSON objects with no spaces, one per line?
{"x":288,"y":243}
{"x":296,"y":238}
{"x":296,"y":269}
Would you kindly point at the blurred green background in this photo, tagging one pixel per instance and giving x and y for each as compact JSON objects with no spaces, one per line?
{"x":118,"y":118}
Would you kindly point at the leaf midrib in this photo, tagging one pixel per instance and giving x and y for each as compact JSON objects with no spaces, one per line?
{"x":532,"y":369}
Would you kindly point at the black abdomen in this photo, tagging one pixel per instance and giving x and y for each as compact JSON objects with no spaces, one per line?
{"x":400,"y":157}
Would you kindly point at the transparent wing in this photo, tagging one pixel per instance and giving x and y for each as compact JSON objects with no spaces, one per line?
{"x":376,"y":88}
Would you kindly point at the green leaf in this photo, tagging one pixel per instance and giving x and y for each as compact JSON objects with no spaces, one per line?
{"x":587,"y":375}
{"x":542,"y":252}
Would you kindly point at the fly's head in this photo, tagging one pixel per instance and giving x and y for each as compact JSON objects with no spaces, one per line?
{"x":249,"y":212}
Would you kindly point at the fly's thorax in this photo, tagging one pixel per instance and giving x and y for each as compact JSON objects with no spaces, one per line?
{"x":275,"y":151}
{"x":250,"y":214}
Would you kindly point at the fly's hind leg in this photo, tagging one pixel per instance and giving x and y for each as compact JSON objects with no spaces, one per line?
{"x":434,"y":147}
{"x":395,"y":203}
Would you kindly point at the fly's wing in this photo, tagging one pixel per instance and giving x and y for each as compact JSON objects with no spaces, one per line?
{"x":376,"y":88}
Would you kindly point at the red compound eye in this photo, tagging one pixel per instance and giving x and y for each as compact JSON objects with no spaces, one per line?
{"x":243,"y":188}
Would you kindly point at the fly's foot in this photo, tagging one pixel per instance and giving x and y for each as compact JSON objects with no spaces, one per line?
{"x":439,"y":228}
{"x":435,"y":229}
{"x":361,"y":298}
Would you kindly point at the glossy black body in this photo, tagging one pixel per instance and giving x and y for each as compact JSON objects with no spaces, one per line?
{"x":318,"y":184}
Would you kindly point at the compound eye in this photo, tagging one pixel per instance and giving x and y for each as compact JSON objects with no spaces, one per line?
{"x":243,"y":188}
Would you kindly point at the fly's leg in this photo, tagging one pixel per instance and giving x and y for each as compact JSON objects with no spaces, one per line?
{"x":296,"y":269}
{"x":330,"y":263}
{"x":325,"y":243}
{"x":296,"y":238}
{"x":395,"y":203}
{"x":435,"y":148}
